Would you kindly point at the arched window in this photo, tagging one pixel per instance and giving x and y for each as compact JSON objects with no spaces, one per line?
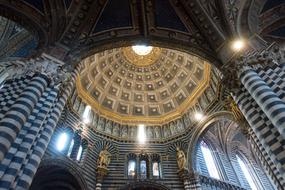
{"x":143,"y":169}
{"x":70,"y":148}
{"x":209,"y":159}
{"x":82,"y":150}
{"x":155,"y":169}
{"x":69,"y":143}
{"x":143,"y":166}
{"x":62,"y":141}
{"x":246,"y":173}
{"x":79,"y":153}
{"x":132,"y":168}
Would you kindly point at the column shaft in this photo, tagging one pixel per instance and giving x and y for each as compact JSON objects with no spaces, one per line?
{"x":268,"y":101}
{"x":17,"y":115}
{"x":25,"y":179}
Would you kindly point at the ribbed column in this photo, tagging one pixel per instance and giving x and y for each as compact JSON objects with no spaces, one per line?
{"x":17,"y":115}
{"x":25,"y":179}
{"x":269,"y":102}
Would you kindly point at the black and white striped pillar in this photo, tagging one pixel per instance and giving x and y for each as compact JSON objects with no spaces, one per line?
{"x":18,"y":113}
{"x":268,"y":101}
{"x":25,"y":178}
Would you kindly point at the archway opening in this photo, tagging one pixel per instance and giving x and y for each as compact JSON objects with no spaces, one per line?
{"x":146,"y":188}
{"x":55,"y":178}
{"x":223,"y":152}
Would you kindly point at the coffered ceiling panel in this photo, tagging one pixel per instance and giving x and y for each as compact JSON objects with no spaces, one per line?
{"x":131,"y":88}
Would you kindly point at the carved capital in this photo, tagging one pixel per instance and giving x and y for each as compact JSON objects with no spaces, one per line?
{"x":54,"y":69}
{"x":254,"y":59}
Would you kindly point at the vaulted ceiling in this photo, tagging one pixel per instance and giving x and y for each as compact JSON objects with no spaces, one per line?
{"x":72,"y":29}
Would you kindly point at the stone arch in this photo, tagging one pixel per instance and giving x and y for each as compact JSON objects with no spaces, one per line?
{"x":29,"y":18}
{"x":149,"y":185}
{"x":248,"y":18}
{"x":199,"y":131}
{"x":58,"y":174}
{"x":99,"y":145}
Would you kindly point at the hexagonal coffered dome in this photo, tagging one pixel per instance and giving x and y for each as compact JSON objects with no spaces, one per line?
{"x":149,"y":85}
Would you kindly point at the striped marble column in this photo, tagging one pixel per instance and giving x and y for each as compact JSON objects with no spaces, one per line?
{"x":25,"y":178}
{"x":18,"y":113}
{"x":269,"y":102}
{"x":264,"y":133}
{"x":18,"y":156}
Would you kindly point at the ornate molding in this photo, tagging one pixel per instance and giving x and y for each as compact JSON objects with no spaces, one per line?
{"x":54,"y":69}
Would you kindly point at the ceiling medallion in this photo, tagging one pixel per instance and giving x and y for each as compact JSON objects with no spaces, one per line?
{"x":142,"y":55}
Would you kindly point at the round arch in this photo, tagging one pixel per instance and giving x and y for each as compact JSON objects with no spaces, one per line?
{"x":248,"y":19}
{"x":58,"y":174}
{"x":200,"y":130}
{"x":29,"y":19}
{"x":82,"y":52}
{"x":149,"y":185}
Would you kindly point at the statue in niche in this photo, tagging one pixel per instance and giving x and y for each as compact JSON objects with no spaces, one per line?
{"x":95,"y":119}
{"x":108,"y":127}
{"x":101,"y":123}
{"x":116,"y":129}
{"x":180,"y":125}
{"x":166,"y":131}
{"x":125,"y":131}
{"x":187,"y":120}
{"x":132,"y":131}
{"x":149,"y":132}
{"x":181,"y":159}
{"x":173,"y":128}
{"x":104,"y":158}
{"x":156,"y":132}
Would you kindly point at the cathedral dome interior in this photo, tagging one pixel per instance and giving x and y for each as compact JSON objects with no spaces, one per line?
{"x":153,"y":89}
{"x":142,"y":94}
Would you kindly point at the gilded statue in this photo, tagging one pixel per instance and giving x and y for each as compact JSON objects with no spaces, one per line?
{"x":235,"y":110}
{"x":104,"y":158}
{"x":238,"y":116}
{"x":181,"y":159}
